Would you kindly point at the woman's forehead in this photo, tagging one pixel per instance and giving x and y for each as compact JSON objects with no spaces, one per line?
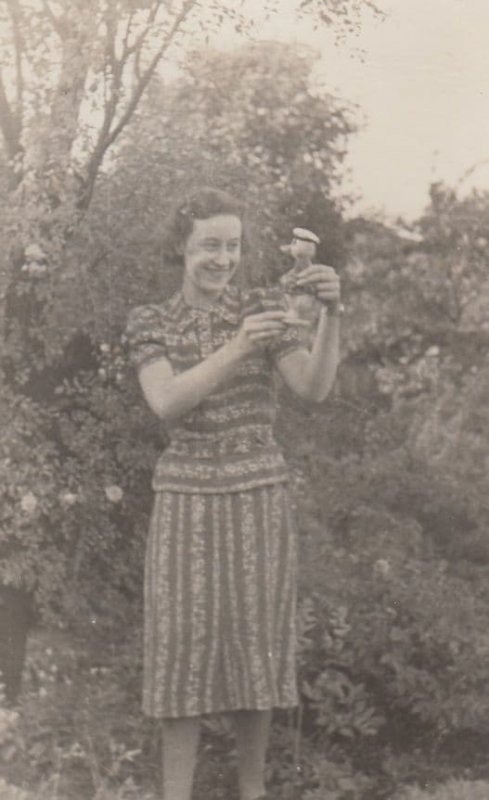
{"x":225,"y":226}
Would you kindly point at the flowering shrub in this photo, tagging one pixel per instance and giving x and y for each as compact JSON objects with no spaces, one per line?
{"x":30,"y":479}
{"x":75,"y":497}
{"x":8,"y":720}
{"x":10,"y":792}
{"x":110,"y":443}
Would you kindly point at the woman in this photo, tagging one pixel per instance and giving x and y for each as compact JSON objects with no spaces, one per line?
{"x":220,"y":565}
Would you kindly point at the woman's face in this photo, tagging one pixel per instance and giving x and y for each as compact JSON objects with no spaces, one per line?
{"x":211,"y":255}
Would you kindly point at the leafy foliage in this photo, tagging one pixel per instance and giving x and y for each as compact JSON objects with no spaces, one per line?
{"x":453,"y":790}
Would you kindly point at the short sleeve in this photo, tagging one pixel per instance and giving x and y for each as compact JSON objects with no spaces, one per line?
{"x":273,"y":299}
{"x":145,"y":335}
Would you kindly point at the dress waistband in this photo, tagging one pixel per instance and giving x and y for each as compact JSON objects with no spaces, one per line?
{"x":229,"y":442}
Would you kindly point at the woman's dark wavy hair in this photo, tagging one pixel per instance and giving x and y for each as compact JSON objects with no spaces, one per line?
{"x":200,"y":204}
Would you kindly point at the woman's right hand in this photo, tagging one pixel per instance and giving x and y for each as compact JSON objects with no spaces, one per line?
{"x":258,"y":330}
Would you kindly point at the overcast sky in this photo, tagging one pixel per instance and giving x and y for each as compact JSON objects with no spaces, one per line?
{"x":423,"y":87}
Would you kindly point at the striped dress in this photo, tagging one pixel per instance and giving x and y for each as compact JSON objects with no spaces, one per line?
{"x":220,"y":576}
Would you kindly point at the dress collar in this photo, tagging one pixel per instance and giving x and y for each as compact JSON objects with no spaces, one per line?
{"x":227,"y":307}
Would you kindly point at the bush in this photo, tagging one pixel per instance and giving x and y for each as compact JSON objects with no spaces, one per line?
{"x":393,"y":643}
{"x":453,"y":790}
{"x":76,"y":497}
{"x":10,"y":792}
{"x":68,"y":737}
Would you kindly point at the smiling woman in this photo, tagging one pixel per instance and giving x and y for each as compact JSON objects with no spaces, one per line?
{"x":220,"y":567}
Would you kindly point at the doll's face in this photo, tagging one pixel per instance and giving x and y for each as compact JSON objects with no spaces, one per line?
{"x":301,"y":249}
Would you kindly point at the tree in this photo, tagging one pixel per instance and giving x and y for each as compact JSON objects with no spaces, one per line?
{"x":71,"y":61}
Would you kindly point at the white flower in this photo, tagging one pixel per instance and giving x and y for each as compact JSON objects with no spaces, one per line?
{"x":33,"y":268}
{"x":28,"y":503}
{"x":68,"y":498}
{"x":114,"y":493}
{"x":34,"y":253}
{"x":8,"y":717}
{"x":104,"y":347}
{"x":382,"y":568}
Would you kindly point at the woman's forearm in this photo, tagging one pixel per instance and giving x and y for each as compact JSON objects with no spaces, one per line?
{"x":170,"y":395}
{"x":311,"y":374}
{"x":323,"y":358}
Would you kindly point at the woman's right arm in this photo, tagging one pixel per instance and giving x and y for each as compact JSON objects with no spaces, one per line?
{"x":170,"y":395}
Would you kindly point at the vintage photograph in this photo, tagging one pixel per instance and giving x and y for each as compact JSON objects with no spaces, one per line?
{"x":244,"y":400}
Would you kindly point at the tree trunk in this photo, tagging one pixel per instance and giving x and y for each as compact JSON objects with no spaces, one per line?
{"x":16,"y":618}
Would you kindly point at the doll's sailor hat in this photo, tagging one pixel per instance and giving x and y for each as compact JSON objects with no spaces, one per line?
{"x":305,"y":236}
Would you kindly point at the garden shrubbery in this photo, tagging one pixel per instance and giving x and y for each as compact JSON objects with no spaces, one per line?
{"x":453,"y":790}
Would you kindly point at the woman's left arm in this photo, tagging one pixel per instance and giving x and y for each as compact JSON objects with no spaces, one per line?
{"x":311,"y":374}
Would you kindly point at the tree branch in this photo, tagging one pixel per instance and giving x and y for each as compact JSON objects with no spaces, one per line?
{"x":55,"y":22}
{"x":9,"y":123}
{"x":148,"y":74}
{"x":137,"y":46}
{"x":127,"y":32}
{"x":15,"y":12}
{"x":126,"y":48}
{"x":116,"y":68}
{"x":107,"y":137}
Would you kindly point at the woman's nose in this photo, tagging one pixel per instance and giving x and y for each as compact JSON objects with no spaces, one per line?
{"x":222,"y":257}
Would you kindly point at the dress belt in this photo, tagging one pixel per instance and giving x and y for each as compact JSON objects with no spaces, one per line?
{"x":222,"y":444}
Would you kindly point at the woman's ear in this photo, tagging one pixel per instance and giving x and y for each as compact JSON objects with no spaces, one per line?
{"x":179,"y":249}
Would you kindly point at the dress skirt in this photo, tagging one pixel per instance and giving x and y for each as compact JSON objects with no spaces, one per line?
{"x":220,"y":594}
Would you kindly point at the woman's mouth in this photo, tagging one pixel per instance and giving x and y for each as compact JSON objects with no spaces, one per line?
{"x":217,"y":271}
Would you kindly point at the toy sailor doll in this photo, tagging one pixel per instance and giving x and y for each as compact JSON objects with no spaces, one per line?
{"x":301,"y":299}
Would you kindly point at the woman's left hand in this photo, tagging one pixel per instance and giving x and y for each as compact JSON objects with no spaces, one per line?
{"x":325,"y":283}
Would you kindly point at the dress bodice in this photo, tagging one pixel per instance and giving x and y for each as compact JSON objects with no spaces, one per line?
{"x":226,"y":442}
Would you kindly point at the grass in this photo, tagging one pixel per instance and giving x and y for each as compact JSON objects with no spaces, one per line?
{"x":78,"y":734}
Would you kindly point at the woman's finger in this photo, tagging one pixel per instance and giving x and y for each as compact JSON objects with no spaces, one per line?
{"x":328,"y":287}
{"x":263,"y":336}
{"x":266,"y":325}
{"x":302,"y":323}
{"x":320,"y":280}
{"x":267,"y":316}
{"x":313,"y":272}
{"x":329,"y":290}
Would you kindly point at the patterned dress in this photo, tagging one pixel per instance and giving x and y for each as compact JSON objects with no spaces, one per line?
{"x":220,"y":577}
